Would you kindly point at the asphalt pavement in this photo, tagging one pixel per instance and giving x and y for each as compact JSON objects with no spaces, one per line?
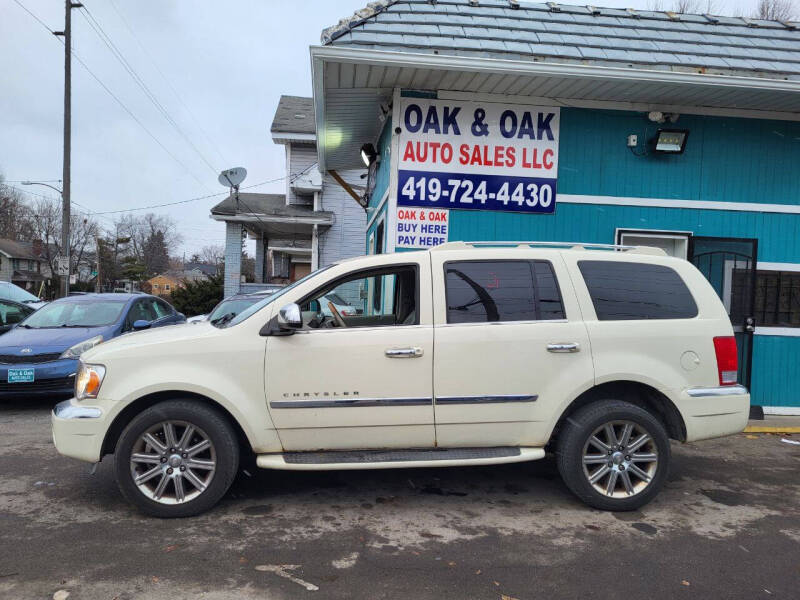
{"x":727,"y":525}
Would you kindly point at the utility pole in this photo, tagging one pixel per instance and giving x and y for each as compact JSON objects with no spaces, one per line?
{"x":65,"y":210}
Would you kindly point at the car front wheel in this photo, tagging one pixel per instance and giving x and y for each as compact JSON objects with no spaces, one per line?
{"x":176,"y":459}
{"x":613,"y":455}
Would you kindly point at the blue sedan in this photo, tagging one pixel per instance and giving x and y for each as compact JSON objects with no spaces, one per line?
{"x":39,"y":356}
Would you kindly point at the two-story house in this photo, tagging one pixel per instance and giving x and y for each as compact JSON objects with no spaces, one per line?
{"x":313,"y":223}
{"x":21,"y":263}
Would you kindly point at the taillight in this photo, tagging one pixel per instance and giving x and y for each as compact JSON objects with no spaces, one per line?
{"x":727,"y":359}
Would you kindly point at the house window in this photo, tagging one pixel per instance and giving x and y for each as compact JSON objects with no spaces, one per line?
{"x":166,"y":287}
{"x":155,"y":286}
{"x":777,"y":301}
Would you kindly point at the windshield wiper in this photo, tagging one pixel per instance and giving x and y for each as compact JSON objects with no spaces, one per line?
{"x":223,"y":319}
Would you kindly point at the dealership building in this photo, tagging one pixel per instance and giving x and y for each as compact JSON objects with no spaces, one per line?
{"x":499,"y":120}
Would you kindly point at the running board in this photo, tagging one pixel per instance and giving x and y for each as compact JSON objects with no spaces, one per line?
{"x":396,"y":459}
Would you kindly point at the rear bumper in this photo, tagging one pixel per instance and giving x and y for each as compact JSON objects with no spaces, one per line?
{"x":78,"y":430}
{"x":710,"y":412}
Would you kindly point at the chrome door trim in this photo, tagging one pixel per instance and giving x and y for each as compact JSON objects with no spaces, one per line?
{"x":722,"y":390}
{"x":502,"y":399}
{"x":502,"y":323}
{"x":350,"y":402}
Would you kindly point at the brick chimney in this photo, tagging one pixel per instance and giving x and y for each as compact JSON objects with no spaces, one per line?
{"x":37,"y":248}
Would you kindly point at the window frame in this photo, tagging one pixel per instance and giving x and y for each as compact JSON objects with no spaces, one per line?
{"x":536,"y":307}
{"x":780,"y":273}
{"x":640,"y":318}
{"x":363,"y":274}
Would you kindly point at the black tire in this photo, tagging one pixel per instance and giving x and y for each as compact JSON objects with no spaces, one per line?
{"x":573,"y":442}
{"x":212,"y":424}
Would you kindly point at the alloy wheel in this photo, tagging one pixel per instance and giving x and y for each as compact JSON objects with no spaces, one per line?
{"x":173,"y":462}
{"x":620,"y":459}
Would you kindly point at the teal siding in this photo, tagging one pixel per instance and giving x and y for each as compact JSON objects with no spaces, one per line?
{"x":726,"y":159}
{"x":778,"y":235}
{"x":776,"y":371}
{"x":383,"y":173}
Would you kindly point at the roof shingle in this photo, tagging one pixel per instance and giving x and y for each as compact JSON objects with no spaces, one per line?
{"x":603,"y":36}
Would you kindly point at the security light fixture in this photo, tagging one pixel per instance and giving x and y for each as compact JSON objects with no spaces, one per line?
{"x":670,"y":141}
{"x":368,"y":154}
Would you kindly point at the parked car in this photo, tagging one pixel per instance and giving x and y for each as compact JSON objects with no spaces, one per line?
{"x":39,"y":357}
{"x":461,"y":355}
{"x":11,"y":291}
{"x":231,"y":306}
{"x":12,"y":313}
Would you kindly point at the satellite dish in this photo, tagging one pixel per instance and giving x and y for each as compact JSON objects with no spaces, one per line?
{"x":232,"y":177}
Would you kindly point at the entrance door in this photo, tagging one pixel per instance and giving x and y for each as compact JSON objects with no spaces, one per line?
{"x":730,"y":265}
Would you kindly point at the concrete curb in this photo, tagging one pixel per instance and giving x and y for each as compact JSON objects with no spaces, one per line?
{"x":765,"y":429}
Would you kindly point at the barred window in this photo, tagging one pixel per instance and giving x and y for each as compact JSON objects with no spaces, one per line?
{"x":777,"y":299}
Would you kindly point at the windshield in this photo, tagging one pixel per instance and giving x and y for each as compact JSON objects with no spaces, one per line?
{"x":248,"y":312}
{"x":14,"y":292}
{"x":75,"y":314}
{"x":234,"y":306}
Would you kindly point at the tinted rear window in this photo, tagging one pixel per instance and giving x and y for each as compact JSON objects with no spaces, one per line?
{"x":493,"y":291}
{"x":627,"y":290}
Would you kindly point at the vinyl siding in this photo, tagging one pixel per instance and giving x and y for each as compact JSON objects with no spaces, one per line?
{"x":299,"y":158}
{"x":345,"y":238}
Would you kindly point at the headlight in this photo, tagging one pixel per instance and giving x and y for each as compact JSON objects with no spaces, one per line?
{"x":81,"y":347}
{"x":88,"y":380}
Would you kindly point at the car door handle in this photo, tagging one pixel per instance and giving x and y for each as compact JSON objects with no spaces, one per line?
{"x":414,"y":352}
{"x":570,"y":347}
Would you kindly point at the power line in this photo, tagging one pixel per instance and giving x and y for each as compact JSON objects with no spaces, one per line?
{"x":116,"y":99}
{"x":206,"y":197}
{"x":109,"y":43}
{"x":42,"y":23}
{"x":167,"y":81}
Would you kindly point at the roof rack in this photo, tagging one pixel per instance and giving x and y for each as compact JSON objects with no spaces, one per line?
{"x":568,"y":245}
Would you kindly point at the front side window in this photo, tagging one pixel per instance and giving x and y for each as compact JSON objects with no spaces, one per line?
{"x":503,"y":290}
{"x":370,"y":299}
{"x":624,"y":291}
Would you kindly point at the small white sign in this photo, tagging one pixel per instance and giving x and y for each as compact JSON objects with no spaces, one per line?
{"x":62,"y":265}
{"x":421,"y":227}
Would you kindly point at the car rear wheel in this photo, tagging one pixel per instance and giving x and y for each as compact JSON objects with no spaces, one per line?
{"x":176,"y":459}
{"x":613,"y":455}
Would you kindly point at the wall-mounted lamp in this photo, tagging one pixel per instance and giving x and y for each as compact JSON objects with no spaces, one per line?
{"x":368,"y":154}
{"x":670,"y":141}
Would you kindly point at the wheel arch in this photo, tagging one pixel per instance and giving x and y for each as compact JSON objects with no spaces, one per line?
{"x":634,"y":392}
{"x":127,"y":414}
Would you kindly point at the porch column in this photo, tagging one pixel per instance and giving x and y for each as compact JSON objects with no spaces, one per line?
{"x":260,"y":250}
{"x":233,"y":258}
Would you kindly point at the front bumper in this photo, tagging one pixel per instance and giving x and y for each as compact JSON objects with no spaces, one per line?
{"x":710,"y":412}
{"x":78,"y":430}
{"x":54,"y":379}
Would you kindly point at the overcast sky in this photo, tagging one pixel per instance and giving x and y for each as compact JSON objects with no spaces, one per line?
{"x":224,"y":65}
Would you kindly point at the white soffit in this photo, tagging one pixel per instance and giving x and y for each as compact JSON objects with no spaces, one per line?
{"x":350,"y":84}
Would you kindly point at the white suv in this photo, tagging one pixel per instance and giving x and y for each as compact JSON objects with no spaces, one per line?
{"x":467,"y":354}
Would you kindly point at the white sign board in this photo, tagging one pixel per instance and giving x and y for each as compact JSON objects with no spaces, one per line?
{"x":421,"y":227}
{"x":62,"y":265}
{"x":477,"y":156}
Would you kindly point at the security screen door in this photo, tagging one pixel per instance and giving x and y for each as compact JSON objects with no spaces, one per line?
{"x":730,"y":265}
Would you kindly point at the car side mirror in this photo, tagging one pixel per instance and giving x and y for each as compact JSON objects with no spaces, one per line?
{"x":140,"y":324}
{"x":290,"y":317}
